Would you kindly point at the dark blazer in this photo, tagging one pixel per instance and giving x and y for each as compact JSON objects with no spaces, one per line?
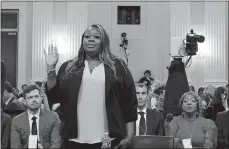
{"x":49,"y":127}
{"x":155,"y":122}
{"x":3,"y":77}
{"x":217,"y":107}
{"x":14,"y":107}
{"x":5,"y":130}
{"x":120,"y":96}
{"x":222,"y":123}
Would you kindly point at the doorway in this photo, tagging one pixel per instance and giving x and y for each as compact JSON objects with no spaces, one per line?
{"x":9,"y":43}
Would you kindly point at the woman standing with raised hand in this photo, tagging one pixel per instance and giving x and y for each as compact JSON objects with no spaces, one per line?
{"x":96,"y":93}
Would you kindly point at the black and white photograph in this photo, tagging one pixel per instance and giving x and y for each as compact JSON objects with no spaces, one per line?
{"x":114,"y":74}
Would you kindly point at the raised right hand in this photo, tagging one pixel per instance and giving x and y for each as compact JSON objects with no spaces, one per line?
{"x":52,"y":57}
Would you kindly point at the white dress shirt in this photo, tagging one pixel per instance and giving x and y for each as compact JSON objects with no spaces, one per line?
{"x":138,"y":120}
{"x":31,"y":122}
{"x":92,"y":117}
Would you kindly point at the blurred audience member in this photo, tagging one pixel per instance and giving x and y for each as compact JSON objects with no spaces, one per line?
{"x":147,"y":78}
{"x":23,"y":87}
{"x":204,"y":106}
{"x":225,"y":98}
{"x":200,"y":91}
{"x":200,"y":131}
{"x":11,"y":105}
{"x":217,"y":101}
{"x":16,"y":92}
{"x":160,"y":90}
{"x":192,"y":88}
{"x":209,"y":91}
{"x":222,"y":123}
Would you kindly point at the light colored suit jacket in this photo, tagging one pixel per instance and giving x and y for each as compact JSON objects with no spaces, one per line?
{"x":49,"y":128}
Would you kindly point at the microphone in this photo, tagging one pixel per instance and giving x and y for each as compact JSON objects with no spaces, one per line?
{"x":169,"y":117}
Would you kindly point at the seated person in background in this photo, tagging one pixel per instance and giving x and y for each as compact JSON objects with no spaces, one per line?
{"x":222,"y":123}
{"x":147,"y":76}
{"x":16,"y":92}
{"x":204,"y":106}
{"x":225,"y":98}
{"x":149,"y":122}
{"x":153,"y":99}
{"x":200,"y":91}
{"x":217,"y":101}
{"x":145,"y":81}
{"x":11,"y":105}
{"x":160,"y":90}
{"x":192,"y":88}
{"x":23,"y":87}
{"x":44,"y":124}
{"x":210,"y":90}
{"x":189,"y":125}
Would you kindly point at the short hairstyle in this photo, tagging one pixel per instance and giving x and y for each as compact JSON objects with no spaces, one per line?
{"x":24,"y":85}
{"x":39,"y":83}
{"x":201,"y":89}
{"x":193,"y":94}
{"x":142,"y":80}
{"x":141,"y":85}
{"x":31,"y":88}
{"x":159,"y":89}
{"x":227,"y":85}
{"x":193,"y":88}
{"x":217,"y":94}
{"x":8,"y":86}
{"x":147,"y":71}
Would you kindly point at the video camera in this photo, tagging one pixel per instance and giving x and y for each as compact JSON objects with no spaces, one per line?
{"x":191,"y":43}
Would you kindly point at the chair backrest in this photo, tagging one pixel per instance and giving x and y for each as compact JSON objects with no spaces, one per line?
{"x":150,"y":141}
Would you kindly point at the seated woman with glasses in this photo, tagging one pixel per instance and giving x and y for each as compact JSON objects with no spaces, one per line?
{"x":190,"y":127}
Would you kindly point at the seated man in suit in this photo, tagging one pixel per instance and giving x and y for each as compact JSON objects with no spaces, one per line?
{"x":222,"y":123}
{"x":149,"y":122}
{"x":42,"y":123}
{"x":11,"y":105}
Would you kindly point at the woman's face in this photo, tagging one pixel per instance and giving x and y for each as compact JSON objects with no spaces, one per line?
{"x":189,"y":104}
{"x":91,"y":42}
{"x":224,"y":95}
{"x":204,"y":104}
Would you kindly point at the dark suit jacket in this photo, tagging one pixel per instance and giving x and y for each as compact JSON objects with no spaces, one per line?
{"x":14,"y":107}
{"x":3,"y":75}
{"x":222,"y":123}
{"x":5,"y":130}
{"x":49,"y":126}
{"x":217,"y":107}
{"x":120,"y":96}
{"x":155,"y":122}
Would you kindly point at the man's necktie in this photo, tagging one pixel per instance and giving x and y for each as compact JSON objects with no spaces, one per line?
{"x":142,"y":124}
{"x":34,"y":126}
